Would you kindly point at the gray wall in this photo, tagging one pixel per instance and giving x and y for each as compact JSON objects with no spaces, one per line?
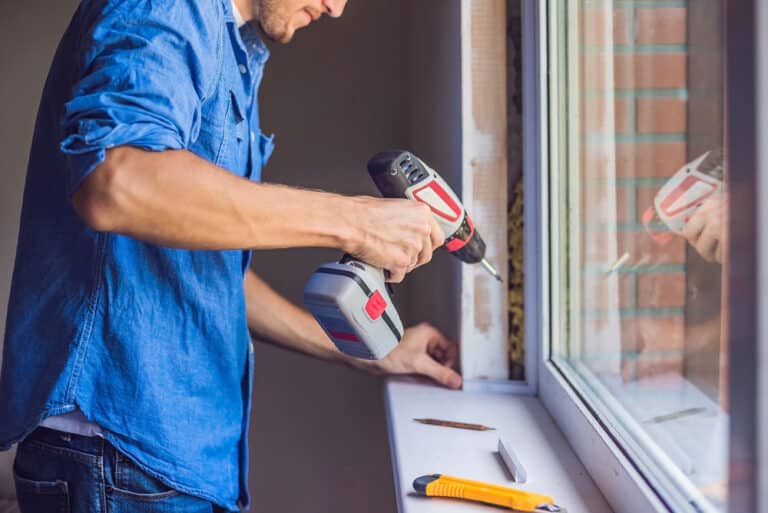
{"x":385,"y":75}
{"x":333,"y":97}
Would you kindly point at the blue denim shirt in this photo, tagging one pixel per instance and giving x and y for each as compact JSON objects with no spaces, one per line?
{"x":151,"y":343}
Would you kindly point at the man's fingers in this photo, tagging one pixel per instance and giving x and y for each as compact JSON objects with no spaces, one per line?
{"x":436,"y":234}
{"x":451,"y":357}
{"x":431,"y":242}
{"x":442,"y":349}
{"x":397,"y":271}
{"x":693,"y":228}
{"x":436,"y":340}
{"x":707,"y":243}
{"x":440,"y":373}
{"x":426,"y":253}
{"x":712,"y":205}
{"x":396,"y":275}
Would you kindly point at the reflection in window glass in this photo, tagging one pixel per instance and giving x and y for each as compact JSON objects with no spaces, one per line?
{"x":638,"y":116}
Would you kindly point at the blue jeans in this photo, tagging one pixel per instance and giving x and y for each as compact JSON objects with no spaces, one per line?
{"x":58,"y":472}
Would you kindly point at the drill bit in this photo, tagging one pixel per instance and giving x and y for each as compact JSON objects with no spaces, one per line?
{"x":623,"y":259}
{"x":491,"y":269}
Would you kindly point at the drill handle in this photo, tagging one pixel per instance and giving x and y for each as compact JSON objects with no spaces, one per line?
{"x":401,"y":174}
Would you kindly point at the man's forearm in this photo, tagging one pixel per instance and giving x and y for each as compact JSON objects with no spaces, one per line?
{"x":177,"y":199}
{"x":274,"y":318}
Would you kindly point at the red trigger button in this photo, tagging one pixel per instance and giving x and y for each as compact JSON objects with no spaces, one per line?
{"x":375,"y":305}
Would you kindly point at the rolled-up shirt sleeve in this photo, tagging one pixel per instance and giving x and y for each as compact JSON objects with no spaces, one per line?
{"x":142,"y":84}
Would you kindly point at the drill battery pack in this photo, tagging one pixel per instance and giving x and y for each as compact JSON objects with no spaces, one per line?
{"x":350,"y":301}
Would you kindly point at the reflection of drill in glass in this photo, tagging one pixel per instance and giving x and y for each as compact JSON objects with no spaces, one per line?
{"x":683,"y":194}
{"x":675,"y":206}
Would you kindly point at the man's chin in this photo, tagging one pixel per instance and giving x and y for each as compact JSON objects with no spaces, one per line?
{"x":284,"y":36}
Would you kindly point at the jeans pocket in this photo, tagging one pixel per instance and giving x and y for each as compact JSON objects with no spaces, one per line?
{"x":38,"y":496}
{"x":134,"y":483}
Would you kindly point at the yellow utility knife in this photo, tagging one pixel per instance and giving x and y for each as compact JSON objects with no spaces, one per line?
{"x":438,"y":485}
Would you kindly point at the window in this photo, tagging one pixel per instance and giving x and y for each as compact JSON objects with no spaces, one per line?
{"x":638,"y":201}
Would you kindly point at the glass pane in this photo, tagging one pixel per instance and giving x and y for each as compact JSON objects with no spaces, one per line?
{"x":638,"y":113}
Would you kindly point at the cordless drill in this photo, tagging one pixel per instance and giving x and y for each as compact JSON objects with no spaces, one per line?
{"x":683,"y":194}
{"x":350,"y":299}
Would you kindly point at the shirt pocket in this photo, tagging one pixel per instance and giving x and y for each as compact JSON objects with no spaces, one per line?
{"x":222,"y":124}
{"x":262,"y":147}
{"x":266,"y":147}
{"x":233,"y":153}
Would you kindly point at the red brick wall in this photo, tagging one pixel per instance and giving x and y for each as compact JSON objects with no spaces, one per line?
{"x":633,"y":119}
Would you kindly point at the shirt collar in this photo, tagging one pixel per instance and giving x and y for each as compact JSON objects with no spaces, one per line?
{"x":254,"y":46}
{"x":247,"y":35}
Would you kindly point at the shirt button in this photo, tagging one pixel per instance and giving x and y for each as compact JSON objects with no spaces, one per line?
{"x":253,"y":136}
{"x":242,"y":68}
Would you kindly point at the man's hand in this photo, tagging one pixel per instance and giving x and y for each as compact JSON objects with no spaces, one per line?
{"x":395,"y":234}
{"x":705,"y":229}
{"x":424,"y":350}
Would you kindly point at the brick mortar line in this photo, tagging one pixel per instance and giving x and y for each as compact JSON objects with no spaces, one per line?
{"x":632,"y":92}
{"x":634,"y":138}
{"x":626,"y":181}
{"x":634,"y":313}
{"x":638,"y":3}
{"x":631,"y":355}
{"x":597,"y":227}
{"x":650,"y":49}
{"x":636,"y":49}
{"x":596,"y":270}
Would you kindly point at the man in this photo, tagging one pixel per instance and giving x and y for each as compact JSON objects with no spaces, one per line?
{"x":127,"y":364}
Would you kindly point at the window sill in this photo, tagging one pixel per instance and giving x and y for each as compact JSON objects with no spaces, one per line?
{"x":418,"y":449}
{"x":672,"y":413}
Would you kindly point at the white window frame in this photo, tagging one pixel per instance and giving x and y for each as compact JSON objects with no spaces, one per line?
{"x":484,"y":359}
{"x":484,"y":329}
{"x":610,"y":464}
